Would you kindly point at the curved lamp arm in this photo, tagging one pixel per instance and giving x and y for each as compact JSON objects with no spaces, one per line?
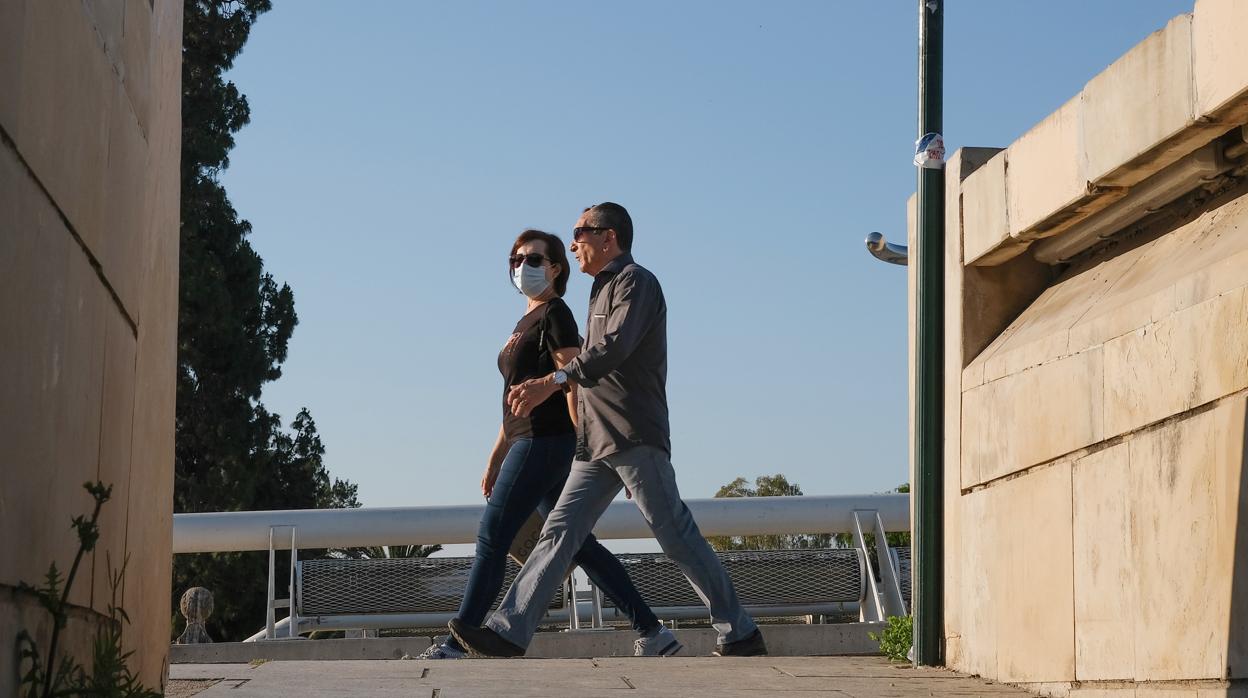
{"x":886,"y":251}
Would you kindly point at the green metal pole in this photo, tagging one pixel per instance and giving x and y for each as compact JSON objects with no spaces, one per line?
{"x":929,"y":355}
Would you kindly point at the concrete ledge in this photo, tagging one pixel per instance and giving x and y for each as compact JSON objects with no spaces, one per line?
{"x":782,"y":641}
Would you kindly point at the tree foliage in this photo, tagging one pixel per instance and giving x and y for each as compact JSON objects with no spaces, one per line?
{"x":766,"y":486}
{"x":234,"y":325}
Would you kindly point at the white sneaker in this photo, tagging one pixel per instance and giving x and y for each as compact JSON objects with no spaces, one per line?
{"x":441,"y":649}
{"x":660,"y":644}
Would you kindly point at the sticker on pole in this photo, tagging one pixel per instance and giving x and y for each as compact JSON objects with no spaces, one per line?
{"x":929,"y":152}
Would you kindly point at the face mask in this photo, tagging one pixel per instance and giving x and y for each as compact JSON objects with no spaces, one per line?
{"x":531,"y":281}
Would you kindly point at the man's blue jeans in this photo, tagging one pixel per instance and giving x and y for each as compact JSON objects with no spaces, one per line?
{"x":532,"y":476}
{"x":647,"y":471}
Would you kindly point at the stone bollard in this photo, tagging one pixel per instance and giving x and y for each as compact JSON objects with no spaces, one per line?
{"x":196,"y":607}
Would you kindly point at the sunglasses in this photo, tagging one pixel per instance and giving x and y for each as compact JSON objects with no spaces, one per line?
{"x":532,"y":259}
{"x":579,"y":234}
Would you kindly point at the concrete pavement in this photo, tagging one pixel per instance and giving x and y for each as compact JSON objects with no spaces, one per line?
{"x":865,"y":677}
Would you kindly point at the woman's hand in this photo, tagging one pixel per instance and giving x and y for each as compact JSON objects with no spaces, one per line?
{"x":488,"y":479}
{"x":522,"y":398}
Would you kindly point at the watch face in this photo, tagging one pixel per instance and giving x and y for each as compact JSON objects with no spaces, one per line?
{"x":560,"y":378}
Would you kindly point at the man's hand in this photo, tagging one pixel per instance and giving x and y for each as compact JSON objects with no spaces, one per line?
{"x":522,"y":398}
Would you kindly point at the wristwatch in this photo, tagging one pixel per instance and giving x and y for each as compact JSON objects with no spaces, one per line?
{"x":560,"y":377}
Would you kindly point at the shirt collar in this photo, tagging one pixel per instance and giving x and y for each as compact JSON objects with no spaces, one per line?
{"x":615,"y":265}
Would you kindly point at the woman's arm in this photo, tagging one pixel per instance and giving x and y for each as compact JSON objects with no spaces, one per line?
{"x":562,"y":357}
{"x":497,"y":454}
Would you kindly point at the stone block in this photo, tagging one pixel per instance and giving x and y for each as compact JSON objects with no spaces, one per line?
{"x":65,"y":77}
{"x":107,"y":18}
{"x":116,"y":432}
{"x":136,"y":59}
{"x":1196,"y":370}
{"x":149,"y":538}
{"x":1016,"y":357}
{"x":1045,"y":183}
{"x":12,"y":22}
{"x":50,"y":382}
{"x":1105,"y":599}
{"x":993,"y":297}
{"x":1183,"y":537}
{"x":1139,"y":113}
{"x":1197,"y":261}
{"x":1034,"y":609}
{"x":1220,"y":60}
{"x":126,"y":188}
{"x":985,"y":216}
{"x":980,"y":589}
{"x":1031,"y":417}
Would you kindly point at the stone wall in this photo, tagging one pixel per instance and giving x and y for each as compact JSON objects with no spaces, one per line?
{"x":1095,"y":408}
{"x":90,"y":136}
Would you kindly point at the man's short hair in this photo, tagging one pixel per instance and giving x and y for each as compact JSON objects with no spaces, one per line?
{"x":613,"y":216}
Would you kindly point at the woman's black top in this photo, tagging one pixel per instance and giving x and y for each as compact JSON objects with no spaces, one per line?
{"x":529,"y":353}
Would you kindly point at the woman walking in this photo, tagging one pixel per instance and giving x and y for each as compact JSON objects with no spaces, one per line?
{"x":532,"y":455}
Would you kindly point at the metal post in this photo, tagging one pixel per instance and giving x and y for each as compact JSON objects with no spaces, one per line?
{"x":929,"y":355}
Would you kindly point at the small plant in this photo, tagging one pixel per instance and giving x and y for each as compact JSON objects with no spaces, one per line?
{"x":897,"y":638}
{"x":43,"y":674}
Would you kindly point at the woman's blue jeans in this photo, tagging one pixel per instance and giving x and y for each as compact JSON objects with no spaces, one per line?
{"x":531,"y":477}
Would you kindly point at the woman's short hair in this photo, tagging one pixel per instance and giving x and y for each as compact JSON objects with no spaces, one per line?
{"x":555,"y":251}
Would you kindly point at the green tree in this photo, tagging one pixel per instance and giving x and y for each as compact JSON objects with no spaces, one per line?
{"x":766,"y":486}
{"x":234,"y":324}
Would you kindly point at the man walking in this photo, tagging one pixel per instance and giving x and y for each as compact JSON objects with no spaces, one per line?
{"x":623,"y":440}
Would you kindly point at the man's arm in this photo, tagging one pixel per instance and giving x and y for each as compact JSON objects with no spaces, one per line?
{"x":635,"y":298}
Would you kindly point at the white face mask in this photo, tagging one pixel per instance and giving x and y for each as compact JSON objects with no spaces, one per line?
{"x":531,"y":281}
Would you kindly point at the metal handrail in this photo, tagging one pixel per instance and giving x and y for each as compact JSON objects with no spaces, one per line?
{"x":886,"y":251}
{"x":345,"y":528}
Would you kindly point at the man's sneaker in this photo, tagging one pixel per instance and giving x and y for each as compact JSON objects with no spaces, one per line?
{"x":483,"y":642}
{"x":661,"y":644}
{"x":752,"y":646}
{"x":442,"y":649}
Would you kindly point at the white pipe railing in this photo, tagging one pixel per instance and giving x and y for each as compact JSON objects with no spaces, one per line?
{"x":345,"y":528}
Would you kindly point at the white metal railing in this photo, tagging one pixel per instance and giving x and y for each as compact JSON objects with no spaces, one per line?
{"x":859,"y":515}
{"x":347,"y":528}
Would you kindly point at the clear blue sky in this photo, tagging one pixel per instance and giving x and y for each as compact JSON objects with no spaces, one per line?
{"x":396,"y":149}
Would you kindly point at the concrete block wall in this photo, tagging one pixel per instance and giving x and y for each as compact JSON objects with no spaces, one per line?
{"x":1096,"y":531}
{"x":90,"y":137}
{"x":1177,"y":90}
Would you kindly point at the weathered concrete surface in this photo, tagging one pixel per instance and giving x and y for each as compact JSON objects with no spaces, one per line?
{"x":90,"y":140}
{"x":871,"y":677}
{"x":782,"y":640}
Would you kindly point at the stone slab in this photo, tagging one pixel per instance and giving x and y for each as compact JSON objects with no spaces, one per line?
{"x":1196,"y":369}
{"x":65,"y":75}
{"x":1183,"y":539}
{"x":1104,"y":567}
{"x":12,"y":24}
{"x":553,"y":678}
{"x":1219,"y":57}
{"x":1045,"y":172}
{"x":985,"y":209}
{"x":1032,"y":417}
{"x":116,"y":434}
{"x":136,"y":59}
{"x":1151,"y":89}
{"x":50,"y":389}
{"x":1033,"y":603}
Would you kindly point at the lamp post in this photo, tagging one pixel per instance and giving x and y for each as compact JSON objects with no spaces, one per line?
{"x":929,"y":354}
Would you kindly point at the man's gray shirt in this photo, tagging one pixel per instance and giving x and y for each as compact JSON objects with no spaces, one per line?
{"x":622,"y":367}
